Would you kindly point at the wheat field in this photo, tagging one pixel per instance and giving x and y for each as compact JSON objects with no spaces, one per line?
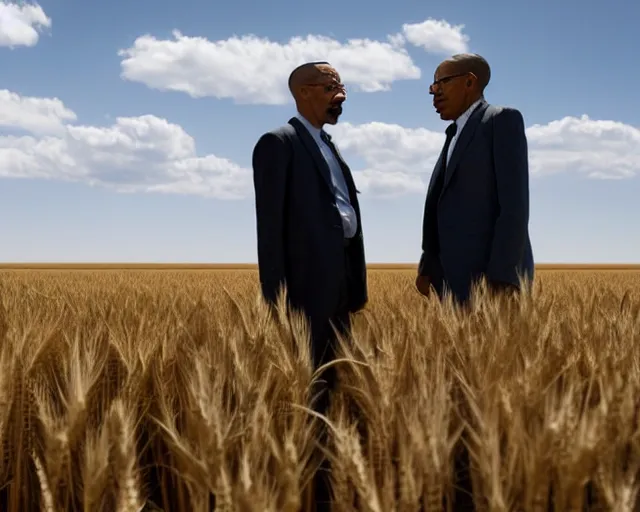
{"x":129,"y":390}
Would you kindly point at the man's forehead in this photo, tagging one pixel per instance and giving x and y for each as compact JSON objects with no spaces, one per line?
{"x":325,"y":71}
{"x":445,"y":68}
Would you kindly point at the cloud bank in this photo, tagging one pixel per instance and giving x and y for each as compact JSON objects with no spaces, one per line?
{"x":134,"y":154}
{"x":41,"y":137}
{"x":151,"y":154}
{"x":254,"y":70}
{"x":580,"y":145}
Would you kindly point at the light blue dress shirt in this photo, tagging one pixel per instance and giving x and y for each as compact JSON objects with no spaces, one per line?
{"x":348,"y":214}
{"x":461,"y":122}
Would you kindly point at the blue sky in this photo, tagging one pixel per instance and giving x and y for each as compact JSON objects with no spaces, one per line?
{"x":126,"y":128}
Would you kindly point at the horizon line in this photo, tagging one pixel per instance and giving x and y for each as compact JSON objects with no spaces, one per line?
{"x":254,"y":266}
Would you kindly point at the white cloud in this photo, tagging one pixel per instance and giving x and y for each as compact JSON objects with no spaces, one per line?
{"x":254,"y":70}
{"x":251,"y":69}
{"x":437,"y":36}
{"x":400,"y":160}
{"x":20,"y":24}
{"x":396,"y":158}
{"x":143,"y":153}
{"x":599,"y":149}
{"x":150,"y":154}
{"x":388,"y":184}
{"x":390,"y":147}
{"x":36,"y":115}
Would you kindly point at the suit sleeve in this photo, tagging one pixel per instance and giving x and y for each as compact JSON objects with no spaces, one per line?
{"x":424,"y":265}
{"x":511,"y":166}
{"x":270,"y":160}
{"x":427,"y":257}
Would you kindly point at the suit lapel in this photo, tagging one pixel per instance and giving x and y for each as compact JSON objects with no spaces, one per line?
{"x":314,"y":151}
{"x":348,"y":178}
{"x":437,"y":169}
{"x":346,"y":171}
{"x":463,"y":141}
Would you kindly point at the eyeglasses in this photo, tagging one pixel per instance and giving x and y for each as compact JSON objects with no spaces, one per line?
{"x":330,"y":88}
{"x":444,"y":80}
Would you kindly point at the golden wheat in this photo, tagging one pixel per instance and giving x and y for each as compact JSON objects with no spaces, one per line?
{"x":177,"y":390}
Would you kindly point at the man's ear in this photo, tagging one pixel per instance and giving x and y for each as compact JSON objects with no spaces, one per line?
{"x":303,"y":92}
{"x":473,"y":80}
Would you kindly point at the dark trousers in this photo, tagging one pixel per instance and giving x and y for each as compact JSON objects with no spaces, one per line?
{"x":324,"y":347}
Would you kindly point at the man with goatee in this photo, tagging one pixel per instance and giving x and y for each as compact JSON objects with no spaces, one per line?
{"x":476,"y":213}
{"x":308,"y":221}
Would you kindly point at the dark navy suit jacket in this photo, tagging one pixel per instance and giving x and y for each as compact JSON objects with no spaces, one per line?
{"x":299,"y":228}
{"x":483,"y":207}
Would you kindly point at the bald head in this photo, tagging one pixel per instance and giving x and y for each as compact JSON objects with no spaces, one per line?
{"x":473,"y":63}
{"x":458,"y":83}
{"x":307,"y":73}
{"x":318,"y":92}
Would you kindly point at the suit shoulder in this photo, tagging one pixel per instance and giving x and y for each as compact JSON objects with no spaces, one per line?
{"x":280,"y":136}
{"x":503,"y":112}
{"x":281,"y":132}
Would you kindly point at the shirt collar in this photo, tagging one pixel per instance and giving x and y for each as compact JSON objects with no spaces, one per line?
{"x":464,"y":117}
{"x":312,"y":129}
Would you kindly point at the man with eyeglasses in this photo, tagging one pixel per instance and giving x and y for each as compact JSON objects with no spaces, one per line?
{"x":476,"y":211}
{"x":308,"y":222}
